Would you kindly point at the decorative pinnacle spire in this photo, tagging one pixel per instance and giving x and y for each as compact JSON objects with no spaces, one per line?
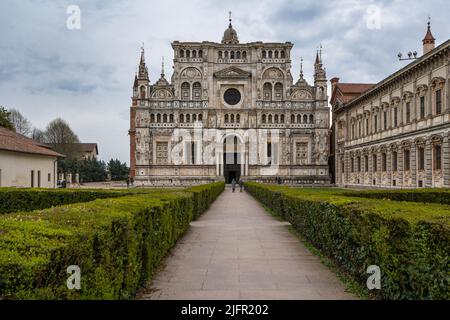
{"x":142,"y":54}
{"x":429,"y":36}
{"x":162,"y":68}
{"x":320,"y":53}
{"x":230,"y":18}
{"x":301,"y":67}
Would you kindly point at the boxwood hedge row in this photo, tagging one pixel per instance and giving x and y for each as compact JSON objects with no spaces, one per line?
{"x":410,"y":242}
{"x":116,"y":242}
{"x":414,"y":195}
{"x":14,"y":200}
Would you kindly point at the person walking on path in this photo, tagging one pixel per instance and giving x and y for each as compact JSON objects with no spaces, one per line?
{"x":241,"y":185}
{"x":233,"y":184}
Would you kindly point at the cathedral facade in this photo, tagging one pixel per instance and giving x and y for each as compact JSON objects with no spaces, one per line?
{"x":230,"y":111}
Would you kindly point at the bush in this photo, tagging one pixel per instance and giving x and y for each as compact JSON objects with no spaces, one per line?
{"x":414,"y":195}
{"x":203,"y":199}
{"x":14,"y":200}
{"x":116,"y":242}
{"x":409,"y":242}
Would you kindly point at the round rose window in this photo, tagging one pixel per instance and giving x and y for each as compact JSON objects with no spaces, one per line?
{"x":232,"y":96}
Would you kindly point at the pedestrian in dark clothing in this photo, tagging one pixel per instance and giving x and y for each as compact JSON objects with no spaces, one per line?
{"x":233,"y":184}
{"x":241,"y":185}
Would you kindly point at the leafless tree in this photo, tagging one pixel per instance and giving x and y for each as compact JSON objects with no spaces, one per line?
{"x":21,"y":124}
{"x":60,"y":136}
{"x":38,"y":135}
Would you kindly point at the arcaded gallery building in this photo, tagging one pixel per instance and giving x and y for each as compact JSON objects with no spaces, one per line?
{"x":231,"y":110}
{"x":396,"y":133}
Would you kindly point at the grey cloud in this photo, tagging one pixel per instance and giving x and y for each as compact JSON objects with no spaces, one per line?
{"x":86,"y":76}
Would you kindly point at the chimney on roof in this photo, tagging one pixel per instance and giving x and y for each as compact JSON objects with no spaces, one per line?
{"x":428,"y":41}
{"x":334,"y":81}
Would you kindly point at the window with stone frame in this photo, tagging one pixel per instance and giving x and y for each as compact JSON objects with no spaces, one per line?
{"x":366,"y":163}
{"x":420,"y":158}
{"x":359,"y":164}
{"x":406,"y":159}
{"x":437,"y":157}
{"x":383,"y":162}
{"x":395,"y":117}
{"x":197,"y":91}
{"x":422,"y":107}
{"x":278,"y":91}
{"x":438,"y":101}
{"x":162,"y":153}
{"x":394,"y":161}
{"x":385,"y":115}
{"x":367,"y":126}
{"x":190,"y":153}
{"x":267,"y":91}
{"x":301,"y":153}
{"x":408,"y":112}
{"x":142,"y":93}
{"x":185,"y":91}
{"x":375,"y":124}
{"x":352,"y":164}
{"x":374,"y":163}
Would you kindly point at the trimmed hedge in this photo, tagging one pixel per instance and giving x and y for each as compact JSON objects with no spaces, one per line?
{"x":116,"y":242}
{"x":414,"y":195}
{"x":202,"y":199}
{"x":409,"y":242}
{"x":14,"y":200}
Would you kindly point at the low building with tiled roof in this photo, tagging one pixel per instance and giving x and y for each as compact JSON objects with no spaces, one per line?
{"x":25,"y":162}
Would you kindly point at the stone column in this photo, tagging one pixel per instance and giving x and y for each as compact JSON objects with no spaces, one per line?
{"x":446,"y":159}
{"x":428,"y":164}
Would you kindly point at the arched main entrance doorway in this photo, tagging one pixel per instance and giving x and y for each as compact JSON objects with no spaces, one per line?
{"x":231,"y":159}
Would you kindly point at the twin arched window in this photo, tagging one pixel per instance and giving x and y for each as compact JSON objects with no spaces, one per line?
{"x":186,"y":91}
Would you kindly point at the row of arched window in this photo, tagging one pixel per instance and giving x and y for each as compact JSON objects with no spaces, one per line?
{"x":295,"y":118}
{"x":232,"y":54}
{"x":170,"y":118}
{"x":162,"y":118}
{"x":188,"y":118}
{"x":273,"y":54}
{"x":191,"y":53}
{"x":231,"y":118}
{"x":272,"y":118}
{"x":305,"y":119}
{"x":189,"y":92}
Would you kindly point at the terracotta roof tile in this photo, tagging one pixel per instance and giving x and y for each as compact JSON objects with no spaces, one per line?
{"x":12,"y":141}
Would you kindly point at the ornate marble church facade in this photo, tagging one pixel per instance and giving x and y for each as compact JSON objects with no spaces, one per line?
{"x":230,"y":110}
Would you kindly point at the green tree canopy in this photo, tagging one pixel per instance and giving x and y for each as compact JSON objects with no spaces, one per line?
{"x":118,"y":170}
{"x":4,"y":119}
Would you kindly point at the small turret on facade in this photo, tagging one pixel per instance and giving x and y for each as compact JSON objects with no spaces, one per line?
{"x":143,"y":71}
{"x":319,"y":71}
{"x":230,"y":35}
{"x":320,"y":77}
{"x":141,"y":80}
{"x":428,"y":41}
{"x":162,"y":80}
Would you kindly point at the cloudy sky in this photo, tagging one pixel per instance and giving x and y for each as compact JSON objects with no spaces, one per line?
{"x":85,"y":76}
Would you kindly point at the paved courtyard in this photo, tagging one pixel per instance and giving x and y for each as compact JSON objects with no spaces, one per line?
{"x":236,"y":250}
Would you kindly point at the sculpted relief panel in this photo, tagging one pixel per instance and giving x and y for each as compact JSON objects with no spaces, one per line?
{"x":301,"y":95}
